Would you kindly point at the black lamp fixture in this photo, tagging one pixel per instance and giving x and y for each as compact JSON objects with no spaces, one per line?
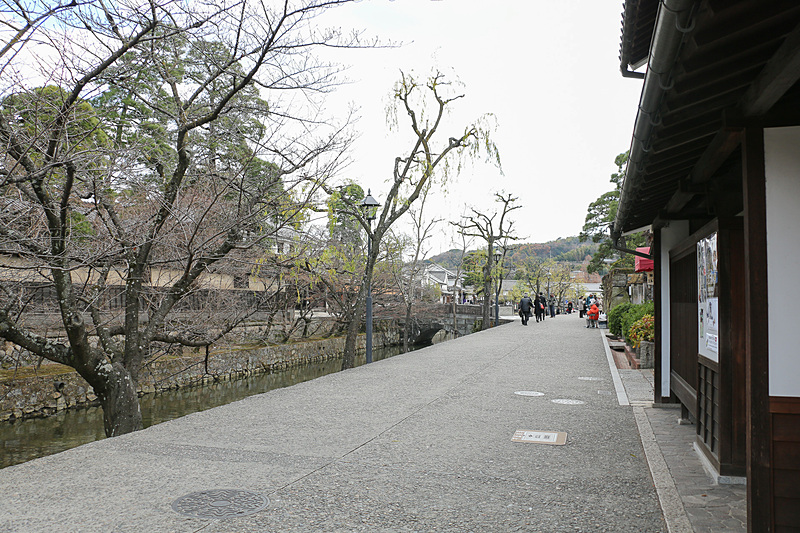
{"x":369,"y":205}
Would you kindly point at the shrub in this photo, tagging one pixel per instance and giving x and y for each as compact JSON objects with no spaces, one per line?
{"x":615,"y":318}
{"x":643,"y":329}
{"x":634,"y":313}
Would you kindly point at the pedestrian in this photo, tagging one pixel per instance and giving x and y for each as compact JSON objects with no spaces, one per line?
{"x":539,"y":307}
{"x":592,"y":316}
{"x":551,"y":303}
{"x":525,"y":308}
{"x":581,"y":307}
{"x":569,"y":307}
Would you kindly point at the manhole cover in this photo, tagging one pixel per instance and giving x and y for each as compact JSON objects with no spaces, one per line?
{"x":220,"y":503}
{"x":584,"y":378}
{"x":567,"y":402}
{"x":528,"y":393}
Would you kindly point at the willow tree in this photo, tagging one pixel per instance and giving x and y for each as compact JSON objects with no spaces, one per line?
{"x":436,"y":151}
{"x":151,"y":136}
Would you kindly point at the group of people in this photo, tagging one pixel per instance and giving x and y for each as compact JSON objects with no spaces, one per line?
{"x":540,"y":305}
{"x":591,"y":310}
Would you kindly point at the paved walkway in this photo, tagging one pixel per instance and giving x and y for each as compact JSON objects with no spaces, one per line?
{"x":419,"y":442}
{"x":704,"y":506}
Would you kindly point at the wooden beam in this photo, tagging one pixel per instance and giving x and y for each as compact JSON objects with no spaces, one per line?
{"x":719,"y":150}
{"x":695,"y":214}
{"x":780,"y":73}
{"x":778,"y":76}
{"x":682,"y":196}
{"x":759,"y":430}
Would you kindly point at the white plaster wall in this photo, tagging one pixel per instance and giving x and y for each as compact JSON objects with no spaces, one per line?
{"x":670,"y":236}
{"x":782,"y":166}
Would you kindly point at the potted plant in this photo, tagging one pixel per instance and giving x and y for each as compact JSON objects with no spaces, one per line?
{"x":642,"y":333}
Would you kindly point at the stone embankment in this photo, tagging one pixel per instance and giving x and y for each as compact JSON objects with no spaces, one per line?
{"x":31,"y":387}
{"x":34,"y":391}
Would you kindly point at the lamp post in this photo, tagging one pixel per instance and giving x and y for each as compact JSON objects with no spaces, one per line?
{"x":369,"y":205}
{"x":497,"y":256}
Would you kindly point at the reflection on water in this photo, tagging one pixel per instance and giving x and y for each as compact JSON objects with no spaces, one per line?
{"x":28,"y":439}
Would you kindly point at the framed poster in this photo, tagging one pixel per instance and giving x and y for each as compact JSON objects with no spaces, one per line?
{"x":708,"y":298}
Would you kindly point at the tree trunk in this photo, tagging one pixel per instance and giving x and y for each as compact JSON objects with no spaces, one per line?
{"x":407,"y":329}
{"x":119,"y":400}
{"x":455,"y":317}
{"x":487,"y":299}
{"x":353,"y":329}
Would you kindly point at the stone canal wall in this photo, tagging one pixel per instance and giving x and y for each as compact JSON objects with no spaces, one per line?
{"x":34,"y":387}
{"x":51,"y":387}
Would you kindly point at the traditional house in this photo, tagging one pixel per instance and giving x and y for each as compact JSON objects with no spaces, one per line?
{"x":450,"y":285}
{"x":506,"y":292}
{"x":714,"y":173}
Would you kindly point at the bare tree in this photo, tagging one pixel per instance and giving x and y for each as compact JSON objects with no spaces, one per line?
{"x":153,"y":154}
{"x":486,"y":227}
{"x":425,"y":103}
{"x":465,"y":243}
{"x":407,"y":277}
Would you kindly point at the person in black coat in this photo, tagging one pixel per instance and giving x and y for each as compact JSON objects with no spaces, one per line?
{"x":538,"y":307}
{"x":525,"y":307}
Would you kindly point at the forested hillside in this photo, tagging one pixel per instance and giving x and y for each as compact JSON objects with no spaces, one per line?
{"x":568,"y":249}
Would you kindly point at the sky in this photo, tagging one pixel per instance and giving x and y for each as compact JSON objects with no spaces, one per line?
{"x":548,"y":71}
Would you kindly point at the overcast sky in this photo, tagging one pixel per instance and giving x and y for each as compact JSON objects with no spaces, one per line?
{"x":548,"y":70}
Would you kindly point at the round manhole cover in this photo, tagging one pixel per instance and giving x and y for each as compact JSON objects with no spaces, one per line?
{"x":564,"y":401}
{"x":220,"y":503}
{"x":586,"y":378}
{"x":528,"y":393}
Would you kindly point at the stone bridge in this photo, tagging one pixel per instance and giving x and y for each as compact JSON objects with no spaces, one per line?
{"x":467,"y":320}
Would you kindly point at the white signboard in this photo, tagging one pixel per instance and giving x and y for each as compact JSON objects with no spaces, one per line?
{"x":708,"y":298}
{"x":556,"y":438}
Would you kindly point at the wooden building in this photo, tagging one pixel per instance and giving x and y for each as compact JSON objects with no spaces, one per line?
{"x":714,"y":172}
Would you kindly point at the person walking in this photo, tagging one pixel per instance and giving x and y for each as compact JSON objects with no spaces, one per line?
{"x":525,"y":307}
{"x":551,"y":303}
{"x":592,"y":316}
{"x":538,"y":308}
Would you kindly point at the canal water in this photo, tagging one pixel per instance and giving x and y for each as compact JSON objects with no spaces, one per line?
{"x":28,"y":439}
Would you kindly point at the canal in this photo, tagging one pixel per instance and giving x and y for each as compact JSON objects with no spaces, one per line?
{"x":23,"y":440}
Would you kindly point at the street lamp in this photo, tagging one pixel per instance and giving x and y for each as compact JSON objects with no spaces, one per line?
{"x":497,"y":256}
{"x":369,"y":205}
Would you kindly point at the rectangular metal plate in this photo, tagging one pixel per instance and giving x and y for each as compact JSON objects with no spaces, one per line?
{"x":557,"y":438}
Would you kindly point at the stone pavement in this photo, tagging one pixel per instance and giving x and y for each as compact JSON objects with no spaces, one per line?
{"x":419,"y":442}
{"x":708,"y":507}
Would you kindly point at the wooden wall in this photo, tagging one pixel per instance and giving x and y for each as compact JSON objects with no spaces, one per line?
{"x":683,"y":326}
{"x":785,"y":414}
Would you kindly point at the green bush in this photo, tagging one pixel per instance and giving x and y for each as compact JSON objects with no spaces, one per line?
{"x":633,"y":314}
{"x":615,"y":318}
{"x":643,"y":330}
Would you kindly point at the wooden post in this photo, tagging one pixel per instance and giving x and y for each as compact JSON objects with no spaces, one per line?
{"x":759,"y":490}
{"x":655,"y":249}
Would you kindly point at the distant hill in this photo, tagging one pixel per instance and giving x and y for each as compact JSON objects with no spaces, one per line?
{"x":562,"y":249}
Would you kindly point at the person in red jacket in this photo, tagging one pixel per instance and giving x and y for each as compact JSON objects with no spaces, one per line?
{"x":592,"y":315}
